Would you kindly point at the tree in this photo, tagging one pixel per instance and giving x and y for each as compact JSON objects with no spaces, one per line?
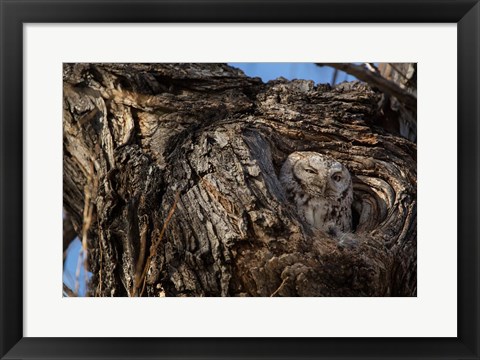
{"x":171,"y":181}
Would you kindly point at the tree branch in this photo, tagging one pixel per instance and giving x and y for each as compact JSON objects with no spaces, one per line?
{"x":375,"y":79}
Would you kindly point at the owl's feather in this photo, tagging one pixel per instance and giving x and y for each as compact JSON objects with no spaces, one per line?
{"x":320,"y":188}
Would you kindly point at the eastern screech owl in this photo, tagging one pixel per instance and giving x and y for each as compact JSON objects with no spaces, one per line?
{"x":321,"y":188}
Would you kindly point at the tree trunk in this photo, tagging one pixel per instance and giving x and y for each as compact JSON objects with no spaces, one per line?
{"x":171,"y":176}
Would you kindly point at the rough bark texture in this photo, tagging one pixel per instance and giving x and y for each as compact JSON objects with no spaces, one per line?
{"x":398,"y":84}
{"x":204,"y":140}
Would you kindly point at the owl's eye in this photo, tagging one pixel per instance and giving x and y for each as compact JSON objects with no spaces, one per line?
{"x":310,"y":171}
{"x":336,"y":177}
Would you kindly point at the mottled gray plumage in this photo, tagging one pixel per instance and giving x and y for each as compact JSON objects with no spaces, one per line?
{"x":321,"y":189}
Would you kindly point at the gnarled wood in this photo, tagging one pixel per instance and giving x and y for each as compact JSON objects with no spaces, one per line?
{"x":214,"y":139}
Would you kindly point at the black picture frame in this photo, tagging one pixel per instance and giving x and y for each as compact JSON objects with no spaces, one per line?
{"x":14,"y":13}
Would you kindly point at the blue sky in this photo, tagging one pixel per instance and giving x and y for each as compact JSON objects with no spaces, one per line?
{"x":290,"y":71}
{"x":70,"y":268}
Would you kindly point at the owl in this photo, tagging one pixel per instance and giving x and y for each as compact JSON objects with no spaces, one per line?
{"x":320,"y":188}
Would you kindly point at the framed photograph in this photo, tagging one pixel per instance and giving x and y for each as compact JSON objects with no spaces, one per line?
{"x":239,"y":179}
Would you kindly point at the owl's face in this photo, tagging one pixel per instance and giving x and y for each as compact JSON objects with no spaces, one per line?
{"x":322,"y":176}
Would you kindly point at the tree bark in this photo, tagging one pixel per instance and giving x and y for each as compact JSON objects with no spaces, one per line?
{"x":171,"y":173}
{"x":398,"y":84}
